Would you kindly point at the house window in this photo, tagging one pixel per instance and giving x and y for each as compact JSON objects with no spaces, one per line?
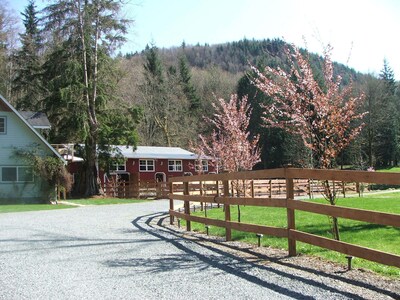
{"x":146,"y":165}
{"x":8,"y":174}
{"x":16,"y":174}
{"x":203,"y":166}
{"x":118,"y":167}
{"x":175,"y":165}
{"x":25,"y":174}
{"x":3,"y":128}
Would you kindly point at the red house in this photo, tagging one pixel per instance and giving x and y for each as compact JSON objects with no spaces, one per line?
{"x":156,"y":164}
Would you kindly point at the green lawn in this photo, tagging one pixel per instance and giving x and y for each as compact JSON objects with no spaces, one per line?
{"x":384,"y":238}
{"x":104,"y":201}
{"x":393,"y":169}
{"x":30,"y":207}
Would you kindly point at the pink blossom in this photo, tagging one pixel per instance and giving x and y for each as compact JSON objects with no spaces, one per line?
{"x":326,"y":118}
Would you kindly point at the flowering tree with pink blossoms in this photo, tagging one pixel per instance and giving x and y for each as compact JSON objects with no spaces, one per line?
{"x":230,"y":144}
{"x":325,"y":116}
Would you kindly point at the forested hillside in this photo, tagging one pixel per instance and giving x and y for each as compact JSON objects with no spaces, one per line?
{"x":219,"y":70}
{"x":161,"y":96}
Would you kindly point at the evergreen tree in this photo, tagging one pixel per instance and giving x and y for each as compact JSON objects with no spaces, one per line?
{"x":188,"y":89}
{"x":87,"y":31}
{"x":153,"y":65}
{"x":152,"y":97}
{"x":373,"y":90}
{"x":164,"y":103}
{"x":388,"y":129}
{"x":27,"y":83}
{"x":387,"y":76}
{"x":273,"y":141}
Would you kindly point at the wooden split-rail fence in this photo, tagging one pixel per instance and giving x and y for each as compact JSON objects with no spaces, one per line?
{"x":267,"y":188}
{"x":196,"y":189}
{"x":136,"y":189}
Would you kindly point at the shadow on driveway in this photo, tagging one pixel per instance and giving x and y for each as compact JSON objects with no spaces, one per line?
{"x":198,"y":257}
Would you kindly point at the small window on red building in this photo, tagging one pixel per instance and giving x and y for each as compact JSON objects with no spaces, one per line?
{"x":146,"y":165}
{"x":118,"y":167}
{"x":175,"y":165}
{"x":203,"y":166}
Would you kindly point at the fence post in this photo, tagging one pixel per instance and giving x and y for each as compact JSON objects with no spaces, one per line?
{"x":171,"y":202}
{"x":217,"y":191}
{"x":270,"y":188}
{"x":201,"y":194}
{"x":158,"y":190}
{"x":228,"y":231}
{"x":290,"y":215}
{"x":187,"y":205}
{"x":344,"y":189}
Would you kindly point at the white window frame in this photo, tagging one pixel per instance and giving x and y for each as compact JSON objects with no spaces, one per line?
{"x":204,"y":165}
{"x":115,"y":167}
{"x":176,"y":166}
{"x":149,"y":165}
{"x":4,"y":131}
{"x":17,"y":175}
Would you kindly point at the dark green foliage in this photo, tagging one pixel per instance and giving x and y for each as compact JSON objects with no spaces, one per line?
{"x":84,"y":34}
{"x":153,"y":65}
{"x":27,"y":84}
{"x":388,"y":131}
{"x":188,"y":89}
{"x":166,"y":107}
{"x":118,"y":127}
{"x":63,"y":102}
{"x":273,"y":141}
{"x":49,"y":168}
{"x":373,"y":94}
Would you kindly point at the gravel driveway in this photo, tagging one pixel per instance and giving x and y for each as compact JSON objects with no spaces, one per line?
{"x":122,"y":252}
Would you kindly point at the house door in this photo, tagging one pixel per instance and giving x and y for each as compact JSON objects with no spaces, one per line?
{"x":160,"y":177}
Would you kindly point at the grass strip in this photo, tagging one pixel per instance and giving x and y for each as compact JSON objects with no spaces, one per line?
{"x":105,"y":201}
{"x":31,"y":207}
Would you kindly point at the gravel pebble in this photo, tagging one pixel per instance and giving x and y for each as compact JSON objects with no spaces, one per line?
{"x":128,"y":252}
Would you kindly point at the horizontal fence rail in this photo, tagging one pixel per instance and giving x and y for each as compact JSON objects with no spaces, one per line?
{"x":238,"y":189}
{"x":136,"y":189}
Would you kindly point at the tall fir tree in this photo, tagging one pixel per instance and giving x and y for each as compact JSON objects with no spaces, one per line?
{"x":164,"y":103}
{"x":188,"y":88}
{"x":373,"y":89}
{"x":88,"y":31}
{"x":27,"y":83}
{"x":388,"y":130}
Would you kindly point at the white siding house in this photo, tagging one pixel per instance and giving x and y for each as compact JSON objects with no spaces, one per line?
{"x":17,"y":181}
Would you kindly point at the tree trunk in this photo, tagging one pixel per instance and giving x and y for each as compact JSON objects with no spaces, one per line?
{"x":331,"y":197}
{"x":335,"y":229}
{"x":92,"y":176}
{"x":92,"y":183}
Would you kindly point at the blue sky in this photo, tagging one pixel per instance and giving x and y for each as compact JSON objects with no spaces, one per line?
{"x":362,"y":32}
